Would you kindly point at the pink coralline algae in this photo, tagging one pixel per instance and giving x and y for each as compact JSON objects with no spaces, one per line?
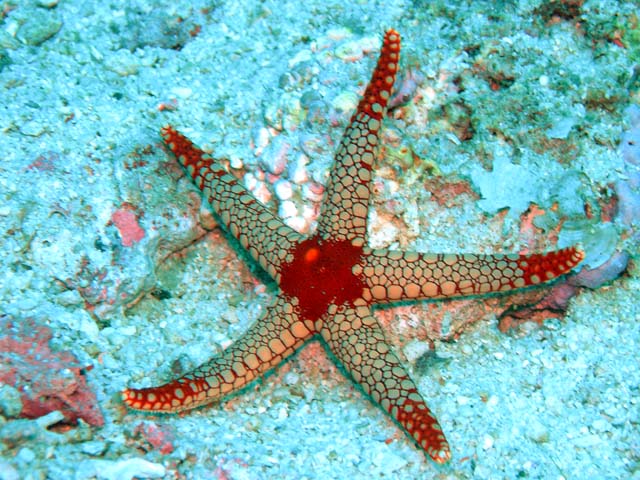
{"x":157,"y":437}
{"x":407,"y":86}
{"x":47,"y":380}
{"x":127,"y":224}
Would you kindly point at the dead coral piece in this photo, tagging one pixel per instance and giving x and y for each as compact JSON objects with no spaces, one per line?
{"x":47,"y":380}
{"x":15,"y":433}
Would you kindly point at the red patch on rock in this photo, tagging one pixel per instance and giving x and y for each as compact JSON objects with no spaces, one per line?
{"x":158,"y":437}
{"x":127,"y":224}
{"x":47,"y":380}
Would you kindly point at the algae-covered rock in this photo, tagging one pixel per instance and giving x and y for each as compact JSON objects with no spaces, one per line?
{"x":39,"y":27}
{"x":507,"y":186}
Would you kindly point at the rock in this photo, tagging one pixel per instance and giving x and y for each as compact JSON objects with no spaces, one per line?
{"x":39,"y":27}
{"x":10,"y":403}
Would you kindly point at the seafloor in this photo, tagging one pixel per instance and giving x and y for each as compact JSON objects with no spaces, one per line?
{"x":507,"y":139}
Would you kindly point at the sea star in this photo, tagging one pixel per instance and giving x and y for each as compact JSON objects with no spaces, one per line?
{"x":330,"y":281}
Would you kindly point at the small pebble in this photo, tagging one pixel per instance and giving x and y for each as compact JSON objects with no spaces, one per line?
{"x":274,"y":160}
{"x":601,"y":425}
{"x":288,"y":209}
{"x":128,"y":330}
{"x":49,"y":419}
{"x":346,"y":102}
{"x":389,"y":462}
{"x":291,"y":378}
{"x":537,"y":432}
{"x":10,"y":402}
{"x":588,"y":441}
{"x":206,"y":217}
{"x":182,"y":92}
{"x":487,"y":442}
{"x":561,"y":129}
{"x":261,"y":192}
{"x":235,"y":161}
{"x":93,"y":448}
{"x":39,"y":27}
{"x":122,"y":62}
{"x":298,"y":169}
{"x":354,"y":50}
{"x":339,"y":33}
{"x":313,"y":191}
{"x":298,"y":223}
{"x":250,"y":181}
{"x":25,"y":455}
{"x":7,"y":472}
{"x":7,"y":41}
{"x":283,"y":189}
{"x":415,"y":349}
{"x":122,"y":469}
{"x":301,"y":56}
{"x":283,"y":414}
{"x":261,"y":139}
{"x":33,"y":128}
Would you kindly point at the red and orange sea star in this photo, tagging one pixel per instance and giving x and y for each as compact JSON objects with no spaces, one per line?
{"x":330,"y":281}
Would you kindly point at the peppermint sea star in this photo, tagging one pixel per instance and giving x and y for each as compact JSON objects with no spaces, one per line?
{"x":330,"y":281}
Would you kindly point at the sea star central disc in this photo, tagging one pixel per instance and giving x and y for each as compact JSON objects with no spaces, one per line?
{"x":321,"y":274}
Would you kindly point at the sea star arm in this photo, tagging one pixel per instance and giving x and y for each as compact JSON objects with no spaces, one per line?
{"x":260,"y":232}
{"x":393,"y":275}
{"x":344,"y":212}
{"x":267,"y":343}
{"x":357,"y":340}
